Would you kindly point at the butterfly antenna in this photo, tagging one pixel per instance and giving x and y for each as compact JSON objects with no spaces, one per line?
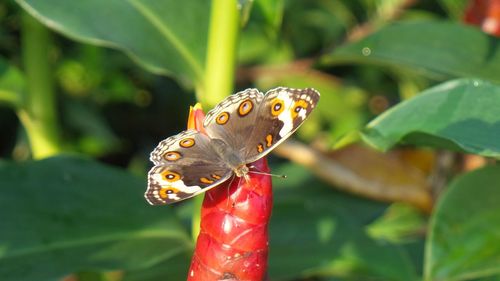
{"x":268,"y":174}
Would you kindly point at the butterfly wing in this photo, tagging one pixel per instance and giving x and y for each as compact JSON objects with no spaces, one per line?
{"x":233,"y":120}
{"x":185,"y":165}
{"x":280,"y":114}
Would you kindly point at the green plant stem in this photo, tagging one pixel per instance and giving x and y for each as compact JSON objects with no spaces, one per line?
{"x":218,"y":79}
{"x":196,"y":217}
{"x":221,"y":52}
{"x":38,"y":112}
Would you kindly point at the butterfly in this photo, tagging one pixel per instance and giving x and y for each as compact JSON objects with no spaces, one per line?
{"x":241,"y":129}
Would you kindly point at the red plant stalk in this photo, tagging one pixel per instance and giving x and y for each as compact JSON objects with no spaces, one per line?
{"x":233,"y":239}
{"x":486,"y":14}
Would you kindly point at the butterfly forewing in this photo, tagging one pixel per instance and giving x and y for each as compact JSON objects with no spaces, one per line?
{"x":280,"y":114}
{"x":233,"y":120}
{"x":186,"y":165}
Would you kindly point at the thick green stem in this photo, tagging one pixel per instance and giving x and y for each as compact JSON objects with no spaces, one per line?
{"x":38,"y":111}
{"x":221,"y":52}
{"x":220,"y":67}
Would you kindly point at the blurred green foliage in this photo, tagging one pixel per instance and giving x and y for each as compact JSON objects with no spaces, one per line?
{"x":124,"y":74}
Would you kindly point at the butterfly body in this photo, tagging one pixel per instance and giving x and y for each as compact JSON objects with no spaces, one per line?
{"x":230,"y":157}
{"x":241,"y":129}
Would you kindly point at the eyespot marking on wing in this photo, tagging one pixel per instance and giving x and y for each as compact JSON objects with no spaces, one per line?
{"x":157,"y":156}
{"x":299,"y":108}
{"x":172,"y":156}
{"x":277,"y":106}
{"x":187,"y":142}
{"x":165,"y":191}
{"x":170,"y":176}
{"x":245,"y":108}
{"x":222,"y":118}
{"x":233,"y":100}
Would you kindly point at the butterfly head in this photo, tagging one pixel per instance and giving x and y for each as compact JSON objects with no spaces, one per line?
{"x":241,"y":171}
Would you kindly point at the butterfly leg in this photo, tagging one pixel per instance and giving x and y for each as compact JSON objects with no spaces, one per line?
{"x":247,"y":178}
{"x":229,"y":189}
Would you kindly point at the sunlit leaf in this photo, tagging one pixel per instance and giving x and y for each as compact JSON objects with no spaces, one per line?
{"x":460,"y":114}
{"x":465,"y":229}
{"x":166,"y":37}
{"x":438,"y":50}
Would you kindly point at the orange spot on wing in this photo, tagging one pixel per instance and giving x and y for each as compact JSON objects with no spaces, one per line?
{"x":269,"y":140}
{"x":206,"y":181}
{"x":260,"y":148}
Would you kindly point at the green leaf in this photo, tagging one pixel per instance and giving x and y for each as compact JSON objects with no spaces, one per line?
{"x":455,"y":8}
{"x":95,"y":137}
{"x":316,"y":230}
{"x":460,"y":114}
{"x":65,"y":214}
{"x":401,"y":222}
{"x":174,"y":269}
{"x":465,"y":229}
{"x":11,"y":84}
{"x":164,"y":36}
{"x":271,"y":12}
{"x":439,"y":50}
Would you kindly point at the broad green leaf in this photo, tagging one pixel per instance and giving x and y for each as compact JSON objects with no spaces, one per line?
{"x":439,"y":50}
{"x":460,"y":114}
{"x":400,"y":223}
{"x":11,"y":84}
{"x":66,"y":214}
{"x":165,"y":36}
{"x":465,"y":229}
{"x":318,"y":231}
{"x":271,"y":12}
{"x":174,"y":269}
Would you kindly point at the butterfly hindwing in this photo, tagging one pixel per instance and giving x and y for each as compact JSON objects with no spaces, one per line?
{"x":186,"y":165}
{"x":280,"y":114}
{"x":172,"y":183}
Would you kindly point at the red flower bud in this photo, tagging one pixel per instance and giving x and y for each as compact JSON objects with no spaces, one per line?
{"x":233,"y":240}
